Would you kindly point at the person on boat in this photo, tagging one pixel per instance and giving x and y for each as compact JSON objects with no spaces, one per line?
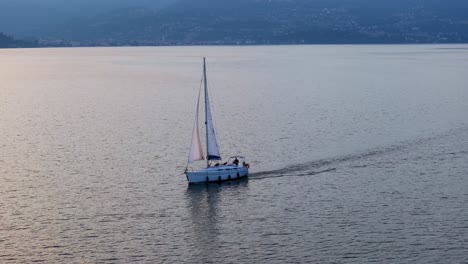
{"x":236,"y":162}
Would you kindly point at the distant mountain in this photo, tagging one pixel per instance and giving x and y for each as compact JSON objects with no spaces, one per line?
{"x":38,"y":18}
{"x":10,"y":42}
{"x":183,"y":22}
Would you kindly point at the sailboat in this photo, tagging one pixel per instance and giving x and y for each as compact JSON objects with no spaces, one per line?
{"x":215,"y":171}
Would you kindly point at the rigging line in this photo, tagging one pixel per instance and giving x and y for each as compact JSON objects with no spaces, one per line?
{"x":220,"y":133}
{"x":235,"y":148}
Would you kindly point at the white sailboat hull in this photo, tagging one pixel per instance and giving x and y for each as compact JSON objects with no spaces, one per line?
{"x":217,"y":174}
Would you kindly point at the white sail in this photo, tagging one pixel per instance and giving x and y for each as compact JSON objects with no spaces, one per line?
{"x":196,"y":152}
{"x":211,"y":142}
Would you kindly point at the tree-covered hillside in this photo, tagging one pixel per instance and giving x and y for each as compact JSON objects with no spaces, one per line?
{"x":278,"y":21}
{"x":9,"y":42}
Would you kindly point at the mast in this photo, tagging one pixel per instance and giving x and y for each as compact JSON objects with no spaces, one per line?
{"x":206,"y":113}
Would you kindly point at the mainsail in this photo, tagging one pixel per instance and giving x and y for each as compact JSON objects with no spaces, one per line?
{"x":211,"y":142}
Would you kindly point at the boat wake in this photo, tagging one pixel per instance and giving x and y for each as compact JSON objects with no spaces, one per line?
{"x":285,"y":173}
{"x":327,"y":165}
{"x":377,"y":157}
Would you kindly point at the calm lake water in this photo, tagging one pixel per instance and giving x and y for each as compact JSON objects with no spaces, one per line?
{"x":358,"y":154}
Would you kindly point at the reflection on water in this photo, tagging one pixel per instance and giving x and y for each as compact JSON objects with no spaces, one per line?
{"x":205,"y":202}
